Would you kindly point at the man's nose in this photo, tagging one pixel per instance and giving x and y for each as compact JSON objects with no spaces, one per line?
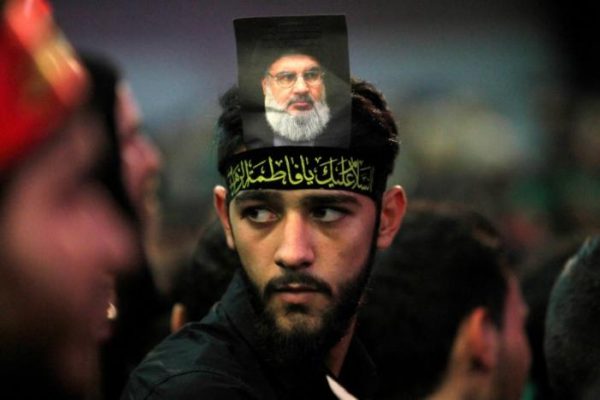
{"x":151,"y":153}
{"x":295,"y":247}
{"x":300,"y":85}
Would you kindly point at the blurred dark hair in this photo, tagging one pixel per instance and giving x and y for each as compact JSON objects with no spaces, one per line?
{"x":202,"y":282}
{"x":444,"y":262}
{"x":572,"y":326}
{"x":537,"y":282}
{"x":105,"y":76}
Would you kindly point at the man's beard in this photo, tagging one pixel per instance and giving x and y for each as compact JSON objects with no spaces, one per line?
{"x":305,"y":126}
{"x":298,"y":345}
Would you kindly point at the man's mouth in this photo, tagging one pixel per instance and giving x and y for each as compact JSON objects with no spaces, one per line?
{"x":105,"y":312}
{"x":297,"y":293}
{"x":296,"y":288}
{"x":301,"y":103}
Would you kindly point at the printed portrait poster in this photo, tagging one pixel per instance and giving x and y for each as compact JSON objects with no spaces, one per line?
{"x":294,"y":81}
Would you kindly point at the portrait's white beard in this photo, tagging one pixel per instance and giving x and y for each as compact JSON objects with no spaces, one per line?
{"x":304,"y":126}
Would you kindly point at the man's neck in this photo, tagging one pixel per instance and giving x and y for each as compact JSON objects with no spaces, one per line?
{"x":337,"y":355}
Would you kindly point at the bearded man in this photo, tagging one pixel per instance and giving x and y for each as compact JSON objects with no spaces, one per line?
{"x":306,"y":222}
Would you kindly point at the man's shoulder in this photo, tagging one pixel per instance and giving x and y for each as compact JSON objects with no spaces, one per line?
{"x":202,"y":358}
{"x":190,"y":384}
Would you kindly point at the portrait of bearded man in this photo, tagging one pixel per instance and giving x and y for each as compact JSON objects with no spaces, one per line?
{"x":295,"y":99}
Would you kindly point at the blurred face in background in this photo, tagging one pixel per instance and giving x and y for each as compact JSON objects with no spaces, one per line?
{"x":64,"y":240}
{"x":141,"y":159}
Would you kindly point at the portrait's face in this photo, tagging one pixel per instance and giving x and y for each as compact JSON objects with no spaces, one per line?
{"x":295,"y":99}
{"x":63,"y":241}
{"x":514,"y":353}
{"x":303,"y":251}
{"x":295,"y":82}
{"x":141,"y":159}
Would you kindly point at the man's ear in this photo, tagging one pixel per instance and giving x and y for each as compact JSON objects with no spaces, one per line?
{"x":483,"y":339}
{"x":393,"y":207}
{"x":264,"y":85}
{"x":221,"y":207}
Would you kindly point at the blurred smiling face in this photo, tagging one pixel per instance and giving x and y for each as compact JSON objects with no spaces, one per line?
{"x":63,"y":242}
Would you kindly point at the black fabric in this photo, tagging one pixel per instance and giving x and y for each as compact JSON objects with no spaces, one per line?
{"x":28,"y":373}
{"x":220,"y":358}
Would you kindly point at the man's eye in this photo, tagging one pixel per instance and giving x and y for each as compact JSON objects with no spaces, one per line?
{"x":259,"y":215}
{"x":312,"y":75}
{"x":286,"y":77}
{"x":328,"y":214}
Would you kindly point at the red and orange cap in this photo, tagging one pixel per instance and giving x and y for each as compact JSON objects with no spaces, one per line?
{"x":41,"y":80}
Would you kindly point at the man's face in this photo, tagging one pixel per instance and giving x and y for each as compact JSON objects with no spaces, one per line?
{"x":297,"y":97}
{"x":303,"y":250}
{"x":141,"y":159}
{"x":63,"y":241}
{"x":515,"y":355}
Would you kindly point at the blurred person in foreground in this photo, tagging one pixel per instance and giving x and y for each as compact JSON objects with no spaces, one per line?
{"x":140,"y":312}
{"x":571,"y":341}
{"x":64,"y":237}
{"x":444,"y":317}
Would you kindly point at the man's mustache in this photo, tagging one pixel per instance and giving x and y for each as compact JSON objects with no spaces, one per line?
{"x":301,"y":98}
{"x":302,"y":280}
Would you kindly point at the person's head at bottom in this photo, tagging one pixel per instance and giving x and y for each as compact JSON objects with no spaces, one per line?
{"x":307,"y":253}
{"x":64,"y":239}
{"x":445,"y":318}
{"x":572,"y":324}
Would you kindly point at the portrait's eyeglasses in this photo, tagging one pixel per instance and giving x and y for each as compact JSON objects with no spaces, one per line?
{"x":288,"y":79}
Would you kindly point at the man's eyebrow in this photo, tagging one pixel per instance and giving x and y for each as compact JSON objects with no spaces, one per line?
{"x":257,"y":195}
{"x":330,"y":199}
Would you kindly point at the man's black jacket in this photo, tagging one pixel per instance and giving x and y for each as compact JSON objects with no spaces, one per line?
{"x":219,"y":358}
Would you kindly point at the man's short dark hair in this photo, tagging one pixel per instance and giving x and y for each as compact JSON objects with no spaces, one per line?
{"x":444,"y":263}
{"x":536,"y":284}
{"x":373,"y":126}
{"x":572,"y":326}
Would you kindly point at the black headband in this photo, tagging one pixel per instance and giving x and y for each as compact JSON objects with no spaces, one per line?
{"x":304,"y":158}
{"x":288,"y":168}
